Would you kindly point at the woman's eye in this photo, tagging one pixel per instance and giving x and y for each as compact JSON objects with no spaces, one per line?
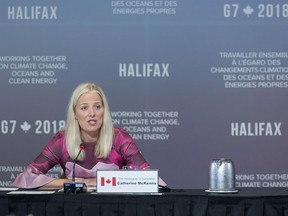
{"x":98,"y":107}
{"x":83,"y":108}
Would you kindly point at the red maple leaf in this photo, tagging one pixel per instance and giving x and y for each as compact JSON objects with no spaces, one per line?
{"x":108,"y":181}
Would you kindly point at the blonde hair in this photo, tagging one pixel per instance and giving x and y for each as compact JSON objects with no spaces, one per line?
{"x":73,"y":136}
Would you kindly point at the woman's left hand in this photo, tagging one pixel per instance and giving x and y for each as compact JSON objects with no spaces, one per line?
{"x":90,"y":182}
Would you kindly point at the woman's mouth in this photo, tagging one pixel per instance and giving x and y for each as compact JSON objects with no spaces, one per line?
{"x":92,"y":122}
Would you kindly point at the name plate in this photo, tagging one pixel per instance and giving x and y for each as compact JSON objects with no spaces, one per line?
{"x":127,"y":181}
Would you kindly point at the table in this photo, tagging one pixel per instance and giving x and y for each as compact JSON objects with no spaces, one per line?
{"x":247,"y":202}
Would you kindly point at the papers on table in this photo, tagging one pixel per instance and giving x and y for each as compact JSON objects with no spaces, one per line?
{"x":13,"y":190}
{"x":7,"y":189}
{"x":31,"y":192}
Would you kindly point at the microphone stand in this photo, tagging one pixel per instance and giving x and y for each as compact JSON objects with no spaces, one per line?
{"x":75,"y":187}
{"x":82,"y":146}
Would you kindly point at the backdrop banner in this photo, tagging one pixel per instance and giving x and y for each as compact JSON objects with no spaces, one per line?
{"x":190,"y":80}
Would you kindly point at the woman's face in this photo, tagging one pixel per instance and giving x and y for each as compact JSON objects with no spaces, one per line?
{"x":89,"y":112}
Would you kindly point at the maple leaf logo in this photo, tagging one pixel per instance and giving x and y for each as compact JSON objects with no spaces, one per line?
{"x":25,"y":126}
{"x":108,"y":181}
{"x":248,"y":10}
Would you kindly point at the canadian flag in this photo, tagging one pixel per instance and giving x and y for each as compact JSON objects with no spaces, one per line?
{"x":108,"y":181}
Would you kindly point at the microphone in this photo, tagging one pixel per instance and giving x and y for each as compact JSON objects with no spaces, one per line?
{"x":82,"y":147}
{"x":75,"y":187}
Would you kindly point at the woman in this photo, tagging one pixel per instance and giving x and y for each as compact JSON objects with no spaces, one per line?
{"x":88,"y":122}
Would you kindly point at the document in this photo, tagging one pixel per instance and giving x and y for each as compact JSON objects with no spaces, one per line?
{"x":31,"y":192}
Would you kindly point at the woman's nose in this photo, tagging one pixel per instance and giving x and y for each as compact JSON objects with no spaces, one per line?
{"x":91,"y":112}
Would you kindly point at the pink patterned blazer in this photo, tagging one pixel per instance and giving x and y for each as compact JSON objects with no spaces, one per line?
{"x":124,"y":152}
